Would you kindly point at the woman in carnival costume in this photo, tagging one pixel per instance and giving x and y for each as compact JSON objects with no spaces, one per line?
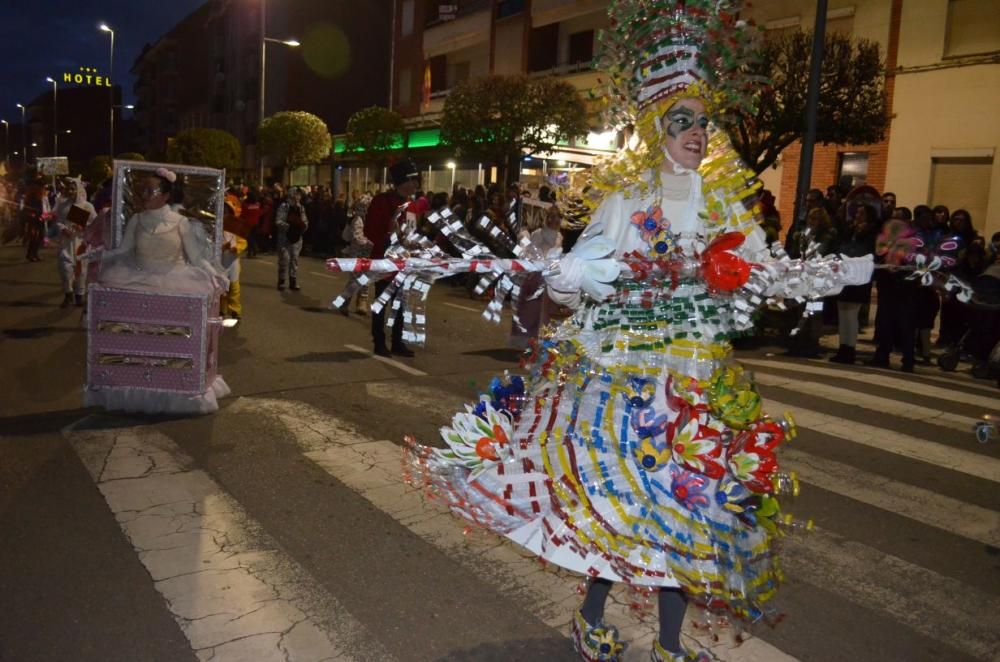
{"x":161,"y":249}
{"x":636,"y":450}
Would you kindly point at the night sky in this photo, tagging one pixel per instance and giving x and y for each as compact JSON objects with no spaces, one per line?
{"x":40,"y":38}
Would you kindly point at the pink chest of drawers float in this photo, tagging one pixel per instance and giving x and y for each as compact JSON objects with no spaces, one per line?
{"x":145,"y":348}
{"x":153,"y":323}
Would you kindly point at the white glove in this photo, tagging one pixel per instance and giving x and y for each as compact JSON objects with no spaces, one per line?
{"x":589,"y":268}
{"x":856,"y":270}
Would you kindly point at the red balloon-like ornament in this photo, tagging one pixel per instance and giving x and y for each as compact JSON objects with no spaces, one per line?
{"x":722,"y":270}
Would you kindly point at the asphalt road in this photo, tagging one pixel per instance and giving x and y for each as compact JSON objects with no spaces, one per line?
{"x":295,"y":483}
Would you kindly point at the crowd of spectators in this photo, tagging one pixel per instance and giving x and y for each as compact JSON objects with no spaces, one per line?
{"x":906,"y":312}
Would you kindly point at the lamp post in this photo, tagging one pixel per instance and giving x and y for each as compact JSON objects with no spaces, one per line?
{"x":111,"y":90}
{"x":55,"y":115}
{"x":6,"y":140}
{"x":451,"y":166}
{"x":292,"y":43}
{"x":24,"y":137}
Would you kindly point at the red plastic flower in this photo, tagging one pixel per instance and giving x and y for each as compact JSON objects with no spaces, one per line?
{"x":751,"y":456}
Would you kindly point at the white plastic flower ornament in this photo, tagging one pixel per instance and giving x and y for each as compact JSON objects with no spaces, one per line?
{"x":477,"y":442}
{"x":924,"y":268}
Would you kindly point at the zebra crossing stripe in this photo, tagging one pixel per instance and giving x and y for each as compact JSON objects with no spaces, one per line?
{"x":372,"y":469}
{"x":918,"y":387}
{"x":931,"y":375}
{"x":939,"y":607}
{"x":924,"y":506}
{"x":233,"y":594}
{"x":885,"y":406}
{"x":955,"y":459}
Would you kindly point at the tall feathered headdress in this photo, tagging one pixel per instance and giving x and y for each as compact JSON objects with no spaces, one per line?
{"x":659,"y":49}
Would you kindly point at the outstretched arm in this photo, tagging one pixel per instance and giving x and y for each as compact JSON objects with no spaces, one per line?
{"x":591,"y":265}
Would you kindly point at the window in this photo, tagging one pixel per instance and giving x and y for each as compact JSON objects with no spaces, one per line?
{"x":543,"y":48}
{"x":962,"y":183}
{"x":406,"y":18}
{"x":405,"y":86}
{"x":973,"y":27}
{"x":581,"y":47}
{"x":853,"y":169}
{"x":439,"y":73}
{"x":840,"y":21}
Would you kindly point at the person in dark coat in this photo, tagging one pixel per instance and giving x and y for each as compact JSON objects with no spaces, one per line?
{"x":861,"y":241}
{"x":379,"y":227}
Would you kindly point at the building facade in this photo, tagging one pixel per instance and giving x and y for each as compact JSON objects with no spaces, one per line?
{"x":206,"y":70}
{"x":943,"y":83}
{"x":437,"y":45}
{"x":78,"y":118}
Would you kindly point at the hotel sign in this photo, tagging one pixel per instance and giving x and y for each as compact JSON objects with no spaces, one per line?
{"x":86,"y":76}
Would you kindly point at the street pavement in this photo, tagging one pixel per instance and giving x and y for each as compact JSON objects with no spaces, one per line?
{"x":280,"y":528}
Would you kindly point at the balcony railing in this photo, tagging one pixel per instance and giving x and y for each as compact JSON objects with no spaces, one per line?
{"x":564,"y":69}
{"x":464,"y":8}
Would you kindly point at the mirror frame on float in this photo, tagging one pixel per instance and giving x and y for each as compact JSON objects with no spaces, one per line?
{"x":206,"y":209}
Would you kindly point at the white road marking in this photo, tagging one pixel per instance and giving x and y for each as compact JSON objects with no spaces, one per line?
{"x":234,"y":595}
{"x":372,"y":469}
{"x":942,"y":512}
{"x":890,"y":441}
{"x":885,"y":406}
{"x":322,"y":273}
{"x":387,"y":361}
{"x":939,"y":607}
{"x":460,"y":307}
{"x":910,"y":386}
{"x":936,"y":375}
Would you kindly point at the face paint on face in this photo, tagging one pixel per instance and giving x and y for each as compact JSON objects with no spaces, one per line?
{"x":686,"y":133}
{"x":682,"y":118}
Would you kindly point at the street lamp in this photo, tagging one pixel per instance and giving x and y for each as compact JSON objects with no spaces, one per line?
{"x":24,"y":136}
{"x":55,"y":116}
{"x":451,"y":166}
{"x":6,"y":140}
{"x":291,"y":43}
{"x":111,"y":90}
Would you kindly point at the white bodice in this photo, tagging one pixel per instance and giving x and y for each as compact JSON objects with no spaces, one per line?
{"x":159,"y":246}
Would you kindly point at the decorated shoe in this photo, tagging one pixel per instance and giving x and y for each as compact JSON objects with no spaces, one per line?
{"x":596,"y":643}
{"x":660,"y":654}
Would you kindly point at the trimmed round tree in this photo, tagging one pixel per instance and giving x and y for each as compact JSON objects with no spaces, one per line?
{"x":211,"y":148}
{"x":294,"y":138}
{"x":497,"y":118}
